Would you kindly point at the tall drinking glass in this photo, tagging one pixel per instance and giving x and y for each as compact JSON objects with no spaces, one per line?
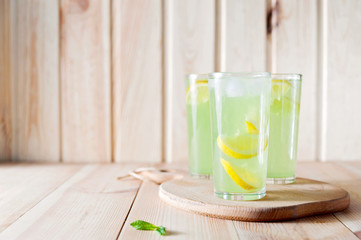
{"x":285,"y":108}
{"x":239,"y":107}
{"x":199,"y":130}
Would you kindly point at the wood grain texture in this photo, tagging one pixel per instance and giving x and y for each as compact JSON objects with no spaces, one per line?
{"x":189,"y":46}
{"x":59,"y":101}
{"x":241,"y":35}
{"x":343,"y":130}
{"x":352,"y":217}
{"x":85,"y":81}
{"x":89,"y":203}
{"x":6,"y":128}
{"x":347,"y":176}
{"x":35,"y":66}
{"x":92,"y":204}
{"x":137,"y":80}
{"x":303,"y":198}
{"x":23,"y":186}
{"x":295,"y":32}
{"x":179,"y":224}
{"x":318,"y":227}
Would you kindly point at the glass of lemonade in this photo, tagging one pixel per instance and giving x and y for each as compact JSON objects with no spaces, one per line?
{"x":199,"y":129}
{"x":285,"y":109}
{"x":239,"y":108}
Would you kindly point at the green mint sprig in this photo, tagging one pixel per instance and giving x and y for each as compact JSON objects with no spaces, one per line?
{"x":143,"y":225}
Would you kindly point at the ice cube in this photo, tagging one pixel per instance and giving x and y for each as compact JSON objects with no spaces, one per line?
{"x":234,"y":88}
{"x":255,"y":87}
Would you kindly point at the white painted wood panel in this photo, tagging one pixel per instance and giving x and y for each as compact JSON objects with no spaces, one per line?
{"x":189,"y":48}
{"x":295,"y":51}
{"x":343,"y":81}
{"x":137,"y":80}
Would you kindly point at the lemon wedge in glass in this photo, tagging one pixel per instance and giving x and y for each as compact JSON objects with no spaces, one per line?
{"x":280,"y":88}
{"x":251,"y":128}
{"x":241,"y":146}
{"x":198,"y":92}
{"x":243,"y":178}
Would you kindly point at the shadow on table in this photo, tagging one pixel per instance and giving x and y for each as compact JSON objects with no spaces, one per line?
{"x":303,"y":190}
{"x":172,"y":233}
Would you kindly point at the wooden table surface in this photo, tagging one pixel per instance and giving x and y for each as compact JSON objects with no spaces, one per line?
{"x":52,"y":201}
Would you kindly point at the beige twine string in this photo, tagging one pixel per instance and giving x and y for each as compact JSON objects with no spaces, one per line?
{"x":134,"y":173}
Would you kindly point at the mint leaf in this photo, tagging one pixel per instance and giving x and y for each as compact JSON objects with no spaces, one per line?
{"x":161,"y":230}
{"x":143,"y":225}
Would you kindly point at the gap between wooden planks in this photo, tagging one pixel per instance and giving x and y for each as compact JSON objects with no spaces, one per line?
{"x":24,"y":185}
{"x":347,"y":176}
{"x":184,"y":225}
{"x":91,"y":204}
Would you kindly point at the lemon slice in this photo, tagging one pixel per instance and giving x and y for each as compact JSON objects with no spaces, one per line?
{"x":280,"y":88}
{"x":285,"y":105}
{"x":251,"y":128}
{"x":197,"y":93}
{"x":243,"y":178}
{"x":241,"y":146}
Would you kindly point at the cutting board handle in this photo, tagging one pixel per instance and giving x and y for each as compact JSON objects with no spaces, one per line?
{"x":156,"y":175}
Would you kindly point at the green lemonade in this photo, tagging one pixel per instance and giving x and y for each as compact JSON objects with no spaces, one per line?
{"x":284,"y":120}
{"x":199,"y":130}
{"x":239,"y":143}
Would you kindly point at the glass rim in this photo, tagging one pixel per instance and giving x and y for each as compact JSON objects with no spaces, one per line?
{"x":203,"y":76}
{"x":287,"y":76}
{"x":239,"y":74}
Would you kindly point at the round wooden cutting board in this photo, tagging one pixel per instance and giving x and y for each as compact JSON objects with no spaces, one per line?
{"x":303,"y":198}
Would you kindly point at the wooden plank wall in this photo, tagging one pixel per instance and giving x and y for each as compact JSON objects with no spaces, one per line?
{"x":137,"y":80}
{"x":85,"y":81}
{"x":6,"y":129}
{"x":190,"y":48}
{"x":294,"y":42}
{"x":103,"y":81}
{"x":341,"y":80}
{"x":36,"y":78}
{"x":30,"y":127}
